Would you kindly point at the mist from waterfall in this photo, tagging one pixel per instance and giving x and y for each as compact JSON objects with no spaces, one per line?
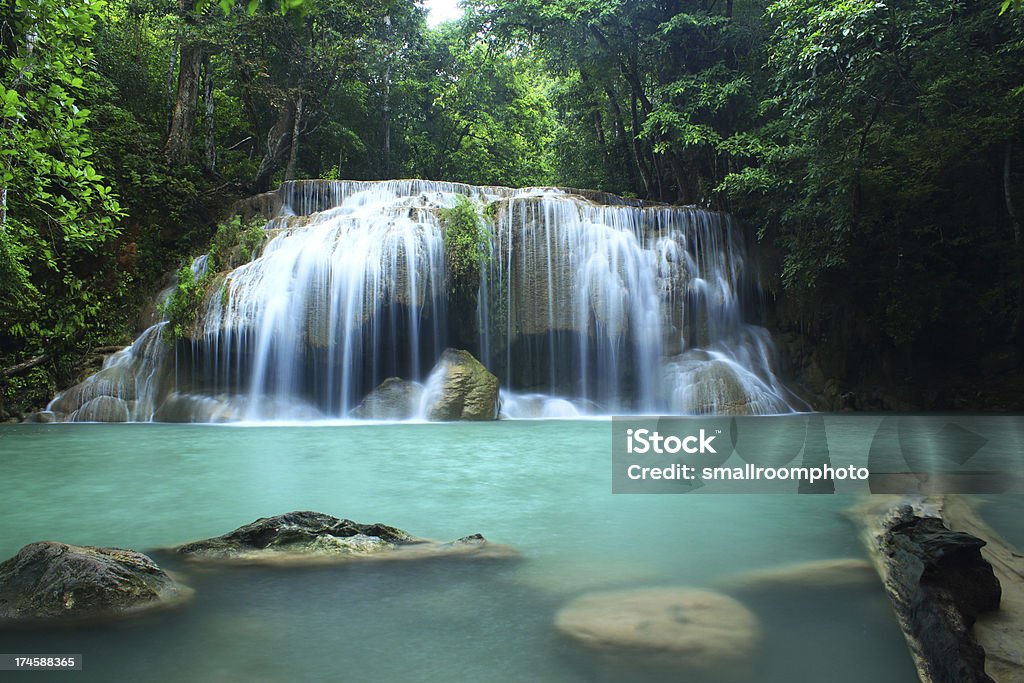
{"x":588,"y":304}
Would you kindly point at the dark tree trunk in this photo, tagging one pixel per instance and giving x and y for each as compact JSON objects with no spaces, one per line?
{"x":293,"y":147}
{"x":170,"y":83}
{"x":386,"y":123}
{"x":623,"y":147}
{"x":277,"y":143}
{"x":183,"y":115}
{"x":638,"y":154}
{"x":210,"y":156}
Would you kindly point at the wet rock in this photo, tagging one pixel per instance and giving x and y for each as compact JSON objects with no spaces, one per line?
{"x":49,"y":580}
{"x":196,"y":408}
{"x":939,"y":583}
{"x":690,"y":630}
{"x":42,"y":417}
{"x":133,"y":380}
{"x":313,"y":537}
{"x":393,"y":399}
{"x":464,"y":389}
{"x":103,"y":409}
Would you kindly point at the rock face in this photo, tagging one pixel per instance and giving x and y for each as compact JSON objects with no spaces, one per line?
{"x":461,"y":388}
{"x":393,"y":399}
{"x":49,"y":580}
{"x":692,"y":630}
{"x":103,"y":409}
{"x":316,"y":537}
{"x":939,"y":583}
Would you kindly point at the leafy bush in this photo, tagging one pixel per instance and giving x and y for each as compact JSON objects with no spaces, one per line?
{"x":232,"y":235}
{"x":466,"y":241}
{"x":182,"y":306}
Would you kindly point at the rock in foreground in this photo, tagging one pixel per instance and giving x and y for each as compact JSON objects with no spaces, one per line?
{"x":56,"y":581}
{"x":313,"y":537}
{"x":692,"y":630}
{"x":465,"y":389}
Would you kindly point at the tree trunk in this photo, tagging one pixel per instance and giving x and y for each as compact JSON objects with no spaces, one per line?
{"x":623,"y":147}
{"x":277,"y":142}
{"x":183,"y":115}
{"x":210,"y":157}
{"x":25,"y":366}
{"x":293,"y":151}
{"x":638,"y":155}
{"x":386,"y":122}
{"x":170,"y":83}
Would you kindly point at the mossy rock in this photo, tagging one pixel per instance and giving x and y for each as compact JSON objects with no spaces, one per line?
{"x":306,"y":537}
{"x":56,"y":581}
{"x":468,"y":391}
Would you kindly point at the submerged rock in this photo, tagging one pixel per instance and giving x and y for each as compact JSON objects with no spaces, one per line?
{"x":393,"y":399}
{"x":828,"y":574}
{"x":315,"y":537}
{"x":461,"y":389}
{"x":692,"y":630}
{"x":49,"y":580}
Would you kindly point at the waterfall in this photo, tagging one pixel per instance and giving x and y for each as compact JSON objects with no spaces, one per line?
{"x":588,"y":303}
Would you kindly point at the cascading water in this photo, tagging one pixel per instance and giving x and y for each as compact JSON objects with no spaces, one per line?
{"x":627,"y":308}
{"x":588,"y":303}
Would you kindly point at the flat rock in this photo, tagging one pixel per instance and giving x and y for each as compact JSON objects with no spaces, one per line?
{"x":55,"y":581}
{"x":313,"y":537}
{"x":692,"y":630}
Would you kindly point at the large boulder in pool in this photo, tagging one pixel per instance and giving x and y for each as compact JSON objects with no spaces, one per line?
{"x":313,"y":537}
{"x":393,"y":399}
{"x":461,"y":389}
{"x":692,"y":631}
{"x":56,"y":581}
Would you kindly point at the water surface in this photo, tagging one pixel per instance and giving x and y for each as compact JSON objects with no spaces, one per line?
{"x":541,"y":486}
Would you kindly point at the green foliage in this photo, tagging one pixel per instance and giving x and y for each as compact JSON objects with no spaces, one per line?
{"x":876,"y":165}
{"x":60,"y":280}
{"x":182,"y":306}
{"x":235,"y":243}
{"x":491,"y":120}
{"x":466,"y":241}
{"x":57,"y":210}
